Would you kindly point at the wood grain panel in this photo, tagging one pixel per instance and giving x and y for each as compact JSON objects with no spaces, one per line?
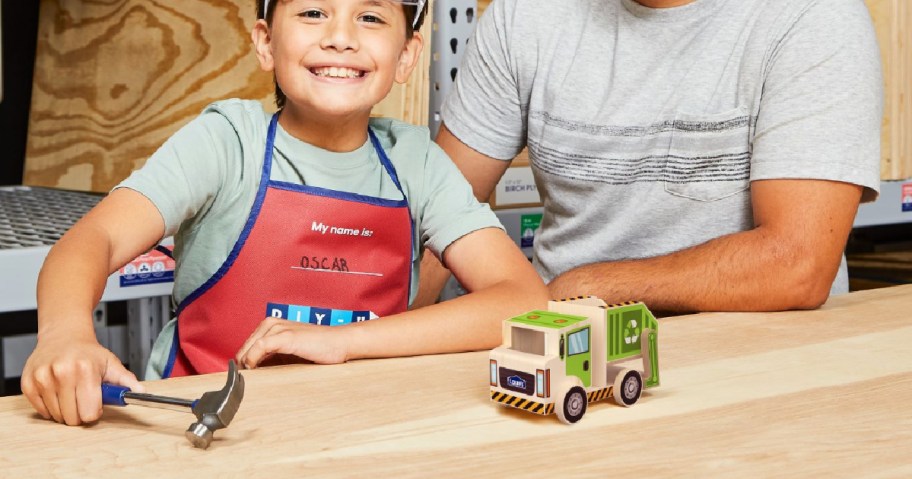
{"x":893,"y":23}
{"x":115,"y":78}
{"x":409,"y":101}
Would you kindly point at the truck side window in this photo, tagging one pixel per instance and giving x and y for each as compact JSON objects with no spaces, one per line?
{"x":579,"y":342}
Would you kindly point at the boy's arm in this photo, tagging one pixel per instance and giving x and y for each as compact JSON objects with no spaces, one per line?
{"x":483,"y":173}
{"x":502,"y":284}
{"x":62,"y":377}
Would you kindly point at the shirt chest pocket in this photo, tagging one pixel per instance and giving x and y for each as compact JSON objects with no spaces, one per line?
{"x":709,"y":155}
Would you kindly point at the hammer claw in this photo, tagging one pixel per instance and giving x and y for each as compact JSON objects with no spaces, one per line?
{"x":215,"y":409}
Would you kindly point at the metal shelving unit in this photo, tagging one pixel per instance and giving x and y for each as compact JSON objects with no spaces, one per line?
{"x":31,"y":221}
{"x":888,"y":209}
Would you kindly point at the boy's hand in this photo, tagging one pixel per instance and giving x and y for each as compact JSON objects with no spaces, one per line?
{"x":62,"y":378}
{"x":320,"y":344}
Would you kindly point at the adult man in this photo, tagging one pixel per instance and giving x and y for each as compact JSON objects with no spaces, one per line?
{"x":693,"y":154}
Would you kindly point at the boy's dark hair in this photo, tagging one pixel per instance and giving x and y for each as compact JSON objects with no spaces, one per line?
{"x":411,"y":25}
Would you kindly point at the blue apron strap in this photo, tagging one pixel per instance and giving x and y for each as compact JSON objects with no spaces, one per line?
{"x":391,"y":170}
{"x":172,"y":355}
{"x":164,"y":250}
{"x":270,"y":142}
{"x":384,"y":160}
{"x":251,"y":218}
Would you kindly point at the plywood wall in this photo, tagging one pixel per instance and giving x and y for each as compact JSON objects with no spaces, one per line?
{"x":114,"y":79}
{"x":893,"y":23}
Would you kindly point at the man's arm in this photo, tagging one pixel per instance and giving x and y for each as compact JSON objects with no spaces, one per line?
{"x":787,"y":261}
{"x":483,"y":173}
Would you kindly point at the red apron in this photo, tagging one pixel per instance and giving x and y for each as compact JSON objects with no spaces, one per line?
{"x":306,"y":254}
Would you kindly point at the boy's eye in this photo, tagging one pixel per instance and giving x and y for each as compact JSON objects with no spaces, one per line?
{"x":371,"y":18}
{"x":312,"y":13}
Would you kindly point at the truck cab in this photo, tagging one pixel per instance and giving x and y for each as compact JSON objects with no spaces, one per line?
{"x":535,"y":344}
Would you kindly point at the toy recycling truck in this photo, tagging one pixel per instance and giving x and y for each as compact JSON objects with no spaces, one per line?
{"x":579,"y":351}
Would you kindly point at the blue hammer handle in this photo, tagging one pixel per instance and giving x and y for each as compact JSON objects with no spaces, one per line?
{"x":114,"y":395}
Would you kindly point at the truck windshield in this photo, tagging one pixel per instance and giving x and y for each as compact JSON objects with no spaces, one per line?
{"x":527,"y":341}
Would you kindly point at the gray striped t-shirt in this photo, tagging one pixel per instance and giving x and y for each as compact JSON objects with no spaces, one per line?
{"x":646,"y":126}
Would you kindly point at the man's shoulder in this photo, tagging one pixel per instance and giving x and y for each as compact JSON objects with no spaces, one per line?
{"x":544,"y":6}
{"x":548,"y":9}
{"x":787,"y":13}
{"x":804,"y":5}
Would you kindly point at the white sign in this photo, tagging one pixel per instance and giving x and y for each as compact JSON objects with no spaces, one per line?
{"x":516,"y":187}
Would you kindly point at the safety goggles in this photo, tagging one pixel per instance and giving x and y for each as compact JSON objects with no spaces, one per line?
{"x":414,"y":3}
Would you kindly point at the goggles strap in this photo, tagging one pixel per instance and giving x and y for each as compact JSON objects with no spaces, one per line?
{"x":416,"y":3}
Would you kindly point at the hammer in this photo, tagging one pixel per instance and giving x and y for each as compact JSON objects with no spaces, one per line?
{"x":214,"y":410}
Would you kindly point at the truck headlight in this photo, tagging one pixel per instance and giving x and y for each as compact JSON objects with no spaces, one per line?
{"x":542,"y":383}
{"x":493,"y":373}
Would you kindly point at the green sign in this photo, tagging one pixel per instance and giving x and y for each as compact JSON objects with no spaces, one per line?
{"x":528,"y":224}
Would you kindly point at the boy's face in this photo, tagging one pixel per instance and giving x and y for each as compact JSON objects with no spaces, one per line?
{"x":337,"y":57}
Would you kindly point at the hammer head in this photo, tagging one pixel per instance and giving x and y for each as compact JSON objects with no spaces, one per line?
{"x":215,"y":409}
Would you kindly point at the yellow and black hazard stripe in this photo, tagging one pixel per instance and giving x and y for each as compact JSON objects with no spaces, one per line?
{"x":600,"y":394}
{"x":610,"y":306}
{"x":520,"y":403}
{"x":573,"y":298}
{"x":622,"y":304}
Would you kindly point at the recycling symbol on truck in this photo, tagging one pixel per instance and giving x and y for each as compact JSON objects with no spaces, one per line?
{"x":631,"y":328}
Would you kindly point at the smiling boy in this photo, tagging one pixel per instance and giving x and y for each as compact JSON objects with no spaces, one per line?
{"x":248,"y":196}
{"x":334,"y":66}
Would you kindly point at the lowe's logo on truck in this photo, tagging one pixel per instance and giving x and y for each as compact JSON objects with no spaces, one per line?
{"x":516,"y":382}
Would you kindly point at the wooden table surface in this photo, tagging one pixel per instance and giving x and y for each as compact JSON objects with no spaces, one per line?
{"x":825,"y":393}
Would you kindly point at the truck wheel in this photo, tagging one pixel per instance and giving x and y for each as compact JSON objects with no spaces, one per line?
{"x":627,"y":387}
{"x":572,"y":405}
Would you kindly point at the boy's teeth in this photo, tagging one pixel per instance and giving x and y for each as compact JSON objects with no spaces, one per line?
{"x":337,"y":72}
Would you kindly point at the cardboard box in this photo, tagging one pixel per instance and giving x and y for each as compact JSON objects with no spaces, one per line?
{"x":516,"y":189}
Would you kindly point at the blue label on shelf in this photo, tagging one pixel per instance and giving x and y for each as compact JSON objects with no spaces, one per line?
{"x":149,"y":268}
{"x":907,"y":197}
{"x":146,"y":278}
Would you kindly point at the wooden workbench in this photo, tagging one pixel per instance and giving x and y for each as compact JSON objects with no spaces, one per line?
{"x":824,"y":393}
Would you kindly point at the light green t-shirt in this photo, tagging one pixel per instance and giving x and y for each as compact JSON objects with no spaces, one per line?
{"x":204,"y":180}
